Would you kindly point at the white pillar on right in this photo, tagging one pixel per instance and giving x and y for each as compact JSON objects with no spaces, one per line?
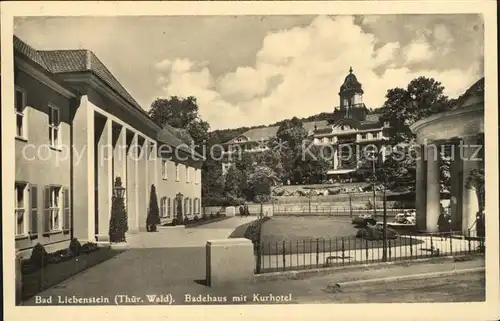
{"x":470,"y":205}
{"x":433,"y":189}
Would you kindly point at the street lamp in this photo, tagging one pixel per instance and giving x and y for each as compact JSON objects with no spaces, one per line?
{"x":373,"y":186}
{"x":118,"y":189}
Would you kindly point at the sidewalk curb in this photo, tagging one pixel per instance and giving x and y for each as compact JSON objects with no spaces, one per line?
{"x":299,"y":274}
{"x":408,"y":277}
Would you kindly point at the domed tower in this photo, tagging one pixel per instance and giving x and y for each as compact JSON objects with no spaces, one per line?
{"x":351,"y":94}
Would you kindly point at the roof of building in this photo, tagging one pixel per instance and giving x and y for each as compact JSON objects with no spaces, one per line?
{"x":82,"y":60}
{"x":351,"y":83}
{"x":76,"y":60}
{"x":473,"y":95}
{"x":265,"y":133}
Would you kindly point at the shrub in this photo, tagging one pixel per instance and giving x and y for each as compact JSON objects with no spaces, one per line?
{"x":204,"y":216}
{"x":175,"y":221}
{"x":153,"y":217}
{"x":253,"y":231}
{"x":186,"y":221}
{"x":39,"y":256}
{"x":217,"y":214}
{"x":211,"y":215}
{"x":118,"y":224}
{"x":376,"y":233}
{"x":75,"y":247}
{"x":89,"y":247}
{"x":195,"y":218}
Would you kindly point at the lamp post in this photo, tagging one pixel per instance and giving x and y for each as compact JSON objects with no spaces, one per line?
{"x":384,"y":226}
{"x":373,"y":188}
{"x":118,"y":189}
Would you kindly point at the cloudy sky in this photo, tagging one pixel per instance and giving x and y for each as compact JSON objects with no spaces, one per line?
{"x":250,"y":70}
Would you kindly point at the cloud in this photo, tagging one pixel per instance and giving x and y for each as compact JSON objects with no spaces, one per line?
{"x":418,"y":51}
{"x":298,"y":72}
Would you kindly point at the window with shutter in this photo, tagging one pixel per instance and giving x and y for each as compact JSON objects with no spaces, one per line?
{"x":169,"y":211}
{"x":20,"y":209}
{"x":34,"y":209}
{"x":66,"y":219}
{"x":46,"y":212}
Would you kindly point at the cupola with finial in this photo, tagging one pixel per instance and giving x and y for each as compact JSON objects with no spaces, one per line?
{"x":351,"y":92}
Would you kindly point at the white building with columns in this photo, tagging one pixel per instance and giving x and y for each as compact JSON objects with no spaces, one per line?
{"x":463,"y":128}
{"x":77,"y":130}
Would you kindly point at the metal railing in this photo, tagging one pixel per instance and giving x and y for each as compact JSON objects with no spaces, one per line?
{"x":320,"y":210}
{"x":289,"y":255}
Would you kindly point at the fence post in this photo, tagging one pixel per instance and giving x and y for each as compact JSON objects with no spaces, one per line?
{"x":468,"y":240}
{"x":366,"y":244}
{"x":433,"y":250}
{"x":343,"y":250}
{"x":390,"y":251}
{"x":451,"y":245}
{"x":411,"y":247}
{"x":317,"y":252}
{"x":259,"y":258}
{"x":284,"y":256}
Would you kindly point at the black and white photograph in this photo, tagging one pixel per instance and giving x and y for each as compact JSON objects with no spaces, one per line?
{"x":223,"y":154}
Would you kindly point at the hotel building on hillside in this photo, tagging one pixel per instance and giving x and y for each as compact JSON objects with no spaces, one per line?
{"x":349,"y":130}
{"x":77,"y":130}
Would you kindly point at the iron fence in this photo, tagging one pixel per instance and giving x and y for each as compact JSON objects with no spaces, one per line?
{"x":289,"y":255}
{"x":331,"y":210}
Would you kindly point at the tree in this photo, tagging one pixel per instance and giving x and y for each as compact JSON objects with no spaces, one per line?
{"x":181,"y":113}
{"x":310,"y":165}
{"x":118,"y":224}
{"x":260,"y":181}
{"x":153,"y":217}
{"x":421,"y":98}
{"x":403,"y":107}
{"x":234,"y":183}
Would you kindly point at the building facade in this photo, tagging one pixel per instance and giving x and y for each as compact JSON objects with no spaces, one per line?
{"x":350,"y":133}
{"x":77,"y":130}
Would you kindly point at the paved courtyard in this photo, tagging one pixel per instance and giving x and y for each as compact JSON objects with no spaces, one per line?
{"x":172,"y":261}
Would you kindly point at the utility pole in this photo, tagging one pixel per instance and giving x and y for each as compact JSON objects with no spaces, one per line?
{"x":384,"y":227}
{"x":373,"y":189}
{"x":350,"y":204}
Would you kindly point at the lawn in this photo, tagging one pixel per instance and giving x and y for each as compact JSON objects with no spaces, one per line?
{"x":316,"y":234}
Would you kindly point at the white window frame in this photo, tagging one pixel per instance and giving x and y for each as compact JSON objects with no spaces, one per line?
{"x":23,"y":114}
{"x":55,"y":221}
{"x":176,"y":172}
{"x":21,"y":210}
{"x":54,"y":128}
{"x":164,"y":169}
{"x":163,"y":207}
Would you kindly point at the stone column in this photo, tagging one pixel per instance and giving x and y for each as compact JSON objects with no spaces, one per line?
{"x":420,"y":189}
{"x":83,"y":171}
{"x":335,"y":157}
{"x":132,"y":188}
{"x":119,"y":156}
{"x":456,"y":188}
{"x":143,"y":188}
{"x":433,"y":189}
{"x":104,"y":162}
{"x":470,"y":205}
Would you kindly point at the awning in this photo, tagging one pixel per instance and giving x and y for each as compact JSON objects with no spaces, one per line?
{"x":340,"y":171}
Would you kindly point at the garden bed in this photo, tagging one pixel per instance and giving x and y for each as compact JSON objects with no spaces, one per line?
{"x":195,"y":223}
{"x":205,"y":219}
{"x":59,"y":267}
{"x":273,"y":247}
